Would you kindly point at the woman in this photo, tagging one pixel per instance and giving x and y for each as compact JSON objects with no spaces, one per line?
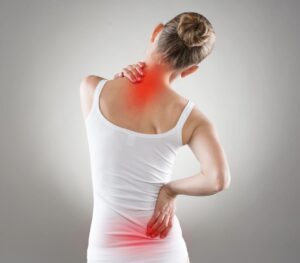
{"x":134,"y":130}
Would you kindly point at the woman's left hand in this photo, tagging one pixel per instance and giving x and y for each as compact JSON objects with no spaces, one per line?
{"x":161,"y":221}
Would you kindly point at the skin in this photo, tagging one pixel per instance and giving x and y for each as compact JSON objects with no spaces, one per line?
{"x":198,"y":133}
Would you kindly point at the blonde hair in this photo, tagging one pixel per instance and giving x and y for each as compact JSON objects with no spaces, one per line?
{"x":186,"y":39}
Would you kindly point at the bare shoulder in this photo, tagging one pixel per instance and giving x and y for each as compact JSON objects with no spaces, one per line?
{"x":88,"y":84}
{"x":87,"y":87}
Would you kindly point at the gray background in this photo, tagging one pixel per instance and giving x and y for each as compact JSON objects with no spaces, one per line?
{"x":248,"y":87}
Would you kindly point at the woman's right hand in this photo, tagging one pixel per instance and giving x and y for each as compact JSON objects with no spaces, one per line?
{"x":133,"y":72}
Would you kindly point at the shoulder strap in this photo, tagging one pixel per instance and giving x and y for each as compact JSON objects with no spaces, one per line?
{"x":182,"y":119}
{"x":97,"y":93}
{"x":95,"y":102}
{"x":185,"y":113}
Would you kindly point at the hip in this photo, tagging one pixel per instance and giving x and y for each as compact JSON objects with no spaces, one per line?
{"x":115,"y":235}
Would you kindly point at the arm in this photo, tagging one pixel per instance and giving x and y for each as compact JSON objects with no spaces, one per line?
{"x":214,"y":175}
{"x":212,"y":178}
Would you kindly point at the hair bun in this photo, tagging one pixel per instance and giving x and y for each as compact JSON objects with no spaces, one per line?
{"x":192,"y":30}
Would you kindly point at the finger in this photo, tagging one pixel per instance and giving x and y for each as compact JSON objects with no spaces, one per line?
{"x":162,"y":226}
{"x":135,"y":72}
{"x":139,"y":67}
{"x":165,"y":232}
{"x":139,"y":70}
{"x":171,"y":218}
{"x":118,"y":75}
{"x":153,"y":218}
{"x":159,"y":219}
{"x":141,"y":63}
{"x":153,"y":222}
{"x":128,"y":74}
{"x":157,"y":225}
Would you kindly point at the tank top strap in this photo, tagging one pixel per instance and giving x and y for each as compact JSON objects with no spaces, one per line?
{"x":95,"y":102}
{"x":96,"y":95}
{"x":182,"y":119}
{"x":185,"y":113}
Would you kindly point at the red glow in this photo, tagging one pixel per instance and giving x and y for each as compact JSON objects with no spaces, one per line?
{"x":131,"y":236}
{"x":147,"y":89}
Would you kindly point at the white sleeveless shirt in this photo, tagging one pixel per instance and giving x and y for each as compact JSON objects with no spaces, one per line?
{"x":128,"y":169}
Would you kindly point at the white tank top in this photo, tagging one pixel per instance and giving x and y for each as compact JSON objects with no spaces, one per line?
{"x":128,"y":169}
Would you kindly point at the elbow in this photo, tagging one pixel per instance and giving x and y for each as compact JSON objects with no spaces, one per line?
{"x":223,"y":181}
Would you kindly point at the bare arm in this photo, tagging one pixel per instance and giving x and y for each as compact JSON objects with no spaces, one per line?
{"x":214,"y":175}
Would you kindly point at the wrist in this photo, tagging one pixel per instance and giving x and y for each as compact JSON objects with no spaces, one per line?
{"x":168,"y":189}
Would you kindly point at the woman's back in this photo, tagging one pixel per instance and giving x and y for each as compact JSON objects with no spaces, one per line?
{"x":131,"y":106}
{"x":129,"y":167}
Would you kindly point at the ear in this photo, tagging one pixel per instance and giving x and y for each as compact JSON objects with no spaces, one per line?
{"x":189,"y":71}
{"x":156,"y":31}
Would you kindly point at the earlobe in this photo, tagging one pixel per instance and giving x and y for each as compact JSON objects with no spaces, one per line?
{"x":189,"y":71}
{"x":182,"y":75}
{"x":194,"y":68}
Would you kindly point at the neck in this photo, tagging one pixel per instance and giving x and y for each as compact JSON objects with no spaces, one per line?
{"x":155,"y":84}
{"x":155,"y":69}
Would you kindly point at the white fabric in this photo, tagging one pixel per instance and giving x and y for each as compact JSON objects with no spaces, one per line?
{"x":128,"y":168}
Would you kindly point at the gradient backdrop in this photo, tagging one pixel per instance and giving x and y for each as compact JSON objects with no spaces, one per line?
{"x":248,"y":87}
